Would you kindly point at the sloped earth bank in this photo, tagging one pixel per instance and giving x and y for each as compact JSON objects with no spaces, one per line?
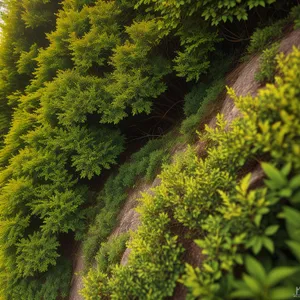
{"x":241,"y":79}
{"x":78,"y":267}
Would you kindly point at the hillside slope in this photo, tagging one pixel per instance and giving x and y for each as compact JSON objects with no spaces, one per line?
{"x":242,"y":80}
{"x":105,"y":150}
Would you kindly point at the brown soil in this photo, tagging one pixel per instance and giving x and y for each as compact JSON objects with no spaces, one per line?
{"x":78,"y":267}
{"x":243,"y":82}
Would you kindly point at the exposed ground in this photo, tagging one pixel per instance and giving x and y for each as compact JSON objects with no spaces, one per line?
{"x":78,"y":267}
{"x":243,"y":82}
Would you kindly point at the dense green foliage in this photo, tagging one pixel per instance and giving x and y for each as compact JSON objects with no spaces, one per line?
{"x":181,"y":17}
{"x":143,"y":164}
{"x":267,"y":64}
{"x":74,"y":75}
{"x":190,"y":124}
{"x":109,"y":255}
{"x":111,"y":252}
{"x":229,"y":219}
{"x":262,"y":37}
{"x":23,"y":32}
{"x":295,"y":14}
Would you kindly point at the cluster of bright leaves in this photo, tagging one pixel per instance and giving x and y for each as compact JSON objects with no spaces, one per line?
{"x":229,"y":219}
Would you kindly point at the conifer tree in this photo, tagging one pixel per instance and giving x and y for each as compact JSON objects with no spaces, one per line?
{"x":23,"y":31}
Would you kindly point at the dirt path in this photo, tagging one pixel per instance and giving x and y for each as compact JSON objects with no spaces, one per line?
{"x":76,"y":283}
{"x":243,"y":82}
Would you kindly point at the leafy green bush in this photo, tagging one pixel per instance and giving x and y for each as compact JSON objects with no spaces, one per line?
{"x":143,"y":164}
{"x":111,"y":252}
{"x":56,"y":281}
{"x":230,"y":236}
{"x":215,"y":11}
{"x":35,"y":254}
{"x":193,"y":99}
{"x":186,"y":17}
{"x":189,"y":125}
{"x":200,"y":99}
{"x":19,"y":44}
{"x":210,"y":201}
{"x":104,"y":35}
{"x":196,"y":44}
{"x":263,"y":284}
{"x":295,"y":13}
{"x":264,"y":36}
{"x":95,"y":285}
{"x":267,"y":64}
{"x":156,"y":274}
{"x":138,"y":74}
{"x":26,"y":64}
